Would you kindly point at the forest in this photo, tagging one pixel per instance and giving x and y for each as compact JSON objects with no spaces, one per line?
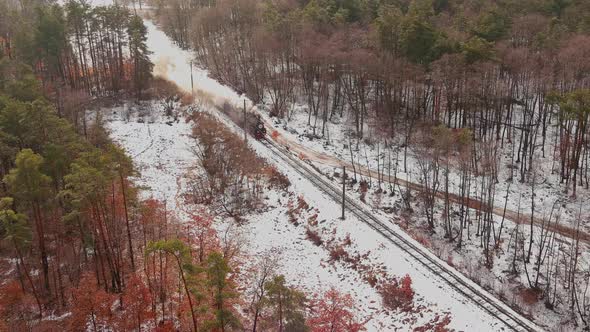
{"x":499,"y":70}
{"x":464,"y":120}
{"x":484,"y":105}
{"x":80,"y":248}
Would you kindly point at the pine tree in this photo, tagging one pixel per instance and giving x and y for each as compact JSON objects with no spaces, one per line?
{"x":50,"y":39}
{"x":142,"y":65}
{"x":217,"y":280}
{"x":90,"y":187}
{"x":17,"y":232}
{"x":31,"y":188}
{"x":288,"y":306}
{"x":187,"y":270}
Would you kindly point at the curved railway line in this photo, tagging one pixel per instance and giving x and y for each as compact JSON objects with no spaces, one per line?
{"x":440,"y":269}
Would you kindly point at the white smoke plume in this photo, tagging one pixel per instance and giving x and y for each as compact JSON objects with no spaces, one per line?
{"x":173,"y":64}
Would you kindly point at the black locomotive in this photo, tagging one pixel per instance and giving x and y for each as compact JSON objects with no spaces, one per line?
{"x":259,"y":129}
{"x":249,"y":120}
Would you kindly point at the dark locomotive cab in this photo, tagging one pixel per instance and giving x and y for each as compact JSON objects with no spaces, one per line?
{"x":259,"y":129}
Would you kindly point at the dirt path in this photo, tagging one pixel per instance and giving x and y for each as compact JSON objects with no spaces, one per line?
{"x":307,"y":153}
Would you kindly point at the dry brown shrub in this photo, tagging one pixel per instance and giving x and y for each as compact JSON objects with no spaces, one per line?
{"x":422,"y":240}
{"x":437,"y":324}
{"x":313,"y":220}
{"x":397,"y":294}
{"x":301,"y":203}
{"x":363,"y":188}
{"x":17,"y":309}
{"x":235,"y":176}
{"x":450,"y":261}
{"x":276,"y":178}
{"x":314,"y":237}
{"x":347,"y":241}
{"x":187,"y":99}
{"x":161,"y":88}
{"x":530,"y":296}
{"x":338,"y":253}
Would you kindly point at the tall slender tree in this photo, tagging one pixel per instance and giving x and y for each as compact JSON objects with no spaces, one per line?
{"x":32,"y":188}
{"x":142,"y":65}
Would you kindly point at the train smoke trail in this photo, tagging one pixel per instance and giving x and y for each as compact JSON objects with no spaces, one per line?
{"x":173,"y":63}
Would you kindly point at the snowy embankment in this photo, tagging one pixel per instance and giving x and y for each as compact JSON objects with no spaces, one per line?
{"x":162,"y":153}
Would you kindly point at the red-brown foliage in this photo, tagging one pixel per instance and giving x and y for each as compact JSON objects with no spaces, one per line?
{"x":16,"y":307}
{"x":90,"y":304}
{"x":363,"y":188}
{"x":276,"y":178}
{"x":295,"y":212}
{"x":422,"y":240}
{"x":301,"y":203}
{"x":338,"y":253}
{"x":436,"y":324}
{"x":314,"y":237}
{"x":347,"y":241}
{"x":202,"y":235}
{"x":136,"y":304}
{"x":450,"y":261}
{"x":398,"y":294}
{"x":313,"y":220}
{"x":530,"y":296}
{"x":334,"y":312}
{"x":165,"y":326}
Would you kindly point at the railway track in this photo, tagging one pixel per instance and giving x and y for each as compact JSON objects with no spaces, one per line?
{"x":440,"y":269}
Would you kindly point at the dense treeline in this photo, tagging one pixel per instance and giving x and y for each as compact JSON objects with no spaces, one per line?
{"x":73,"y":191}
{"x":497,"y":69}
{"x":479,"y":91}
{"x":65,"y":206}
{"x":68,"y":210}
{"x":100,"y":50}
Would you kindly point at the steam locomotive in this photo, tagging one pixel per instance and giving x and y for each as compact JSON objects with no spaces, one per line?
{"x":254,"y":123}
{"x":259,"y":130}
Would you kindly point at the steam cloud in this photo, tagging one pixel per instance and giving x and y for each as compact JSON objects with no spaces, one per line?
{"x":173,"y":64}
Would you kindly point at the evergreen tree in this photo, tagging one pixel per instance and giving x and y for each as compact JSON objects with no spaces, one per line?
{"x":18,"y":81}
{"x":492,"y":26}
{"x":418,"y":39}
{"x":50,"y":39}
{"x":217,"y":280}
{"x":187,"y":270}
{"x":388,"y":27}
{"x":15,"y":230}
{"x":288,"y":306}
{"x":31,"y":187}
{"x":142,"y":65}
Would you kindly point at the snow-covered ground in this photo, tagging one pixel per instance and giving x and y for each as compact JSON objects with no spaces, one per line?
{"x":162,"y":154}
{"x":550,"y":199}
